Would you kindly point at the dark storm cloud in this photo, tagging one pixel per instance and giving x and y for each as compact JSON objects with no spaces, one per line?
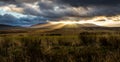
{"x":52,"y":9}
{"x":9,"y":19}
{"x":90,"y":2}
{"x":62,"y":8}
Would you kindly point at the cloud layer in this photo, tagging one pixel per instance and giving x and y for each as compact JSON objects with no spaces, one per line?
{"x":23,"y":12}
{"x":91,"y":2}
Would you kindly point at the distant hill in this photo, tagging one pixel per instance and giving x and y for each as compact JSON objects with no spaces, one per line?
{"x":55,"y":28}
{"x":44,"y":25}
{"x":83,"y":25}
{"x":47,"y":25}
{"x":5,"y":27}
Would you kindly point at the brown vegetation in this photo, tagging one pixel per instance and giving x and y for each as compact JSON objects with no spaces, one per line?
{"x":82,"y":47}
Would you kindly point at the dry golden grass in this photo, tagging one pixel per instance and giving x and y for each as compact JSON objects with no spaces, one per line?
{"x":57,"y":46}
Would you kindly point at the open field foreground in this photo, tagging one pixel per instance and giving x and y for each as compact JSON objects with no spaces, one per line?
{"x":57,"y":46}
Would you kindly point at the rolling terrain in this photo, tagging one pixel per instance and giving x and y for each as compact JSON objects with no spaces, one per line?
{"x":60,"y":43}
{"x":56,"y":28}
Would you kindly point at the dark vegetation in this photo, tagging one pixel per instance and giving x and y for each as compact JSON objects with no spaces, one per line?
{"x":57,"y":46}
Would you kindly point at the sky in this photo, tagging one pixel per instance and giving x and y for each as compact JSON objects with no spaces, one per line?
{"x":31,"y":12}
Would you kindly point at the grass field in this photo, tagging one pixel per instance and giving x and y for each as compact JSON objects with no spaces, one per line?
{"x":63,"y":45}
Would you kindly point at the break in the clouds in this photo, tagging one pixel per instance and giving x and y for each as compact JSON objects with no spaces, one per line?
{"x":30,"y":12}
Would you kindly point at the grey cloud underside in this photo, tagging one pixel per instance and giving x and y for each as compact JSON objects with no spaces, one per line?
{"x":91,"y":2}
{"x":75,"y":2}
{"x":65,"y":7}
{"x":61,"y":10}
{"x":9,"y":19}
{"x":52,"y":9}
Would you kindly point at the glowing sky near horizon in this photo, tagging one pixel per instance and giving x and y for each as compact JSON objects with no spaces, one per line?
{"x":100,"y":21}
